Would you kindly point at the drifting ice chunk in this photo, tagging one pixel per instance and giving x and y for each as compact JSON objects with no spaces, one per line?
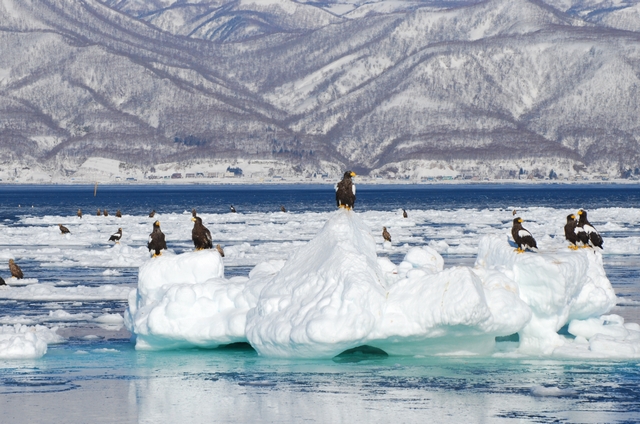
{"x":334,"y":294}
{"x":327,"y":298}
{"x":558,"y":286}
{"x":184,"y":301}
{"x":23,"y":342}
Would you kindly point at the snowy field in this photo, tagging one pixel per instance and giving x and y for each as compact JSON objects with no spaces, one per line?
{"x":68,"y":317}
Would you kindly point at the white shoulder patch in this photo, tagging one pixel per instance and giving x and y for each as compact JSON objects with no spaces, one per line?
{"x":353,"y":188}
{"x":336,"y":187}
{"x":524,"y":233}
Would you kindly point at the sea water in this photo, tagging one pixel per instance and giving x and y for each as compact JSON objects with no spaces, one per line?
{"x":95,"y":375}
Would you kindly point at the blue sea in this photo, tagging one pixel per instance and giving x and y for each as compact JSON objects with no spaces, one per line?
{"x":96,"y":375}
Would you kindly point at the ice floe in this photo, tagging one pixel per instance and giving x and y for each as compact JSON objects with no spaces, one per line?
{"x":24,"y":342}
{"x":334,"y":293}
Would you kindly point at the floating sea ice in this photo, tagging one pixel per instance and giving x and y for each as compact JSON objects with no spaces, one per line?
{"x":557,"y":286}
{"x":50,"y":292}
{"x":334,"y":294}
{"x":184,"y":301}
{"x":24,"y":342}
{"x":328,"y":297}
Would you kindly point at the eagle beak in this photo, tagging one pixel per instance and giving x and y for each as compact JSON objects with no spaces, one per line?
{"x":520,"y":220}
{"x":353,"y":174}
{"x":193,"y":219}
{"x":579,"y":212}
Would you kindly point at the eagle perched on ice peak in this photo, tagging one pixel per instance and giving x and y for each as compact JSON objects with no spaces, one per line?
{"x":346,"y":191}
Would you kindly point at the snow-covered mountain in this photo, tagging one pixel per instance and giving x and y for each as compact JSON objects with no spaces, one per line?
{"x":386,"y":87}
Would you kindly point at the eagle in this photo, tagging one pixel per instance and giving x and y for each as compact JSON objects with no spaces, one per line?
{"x":79,"y":213}
{"x":118,"y":214}
{"x":570,"y":231}
{"x":116,"y":236}
{"x":2,"y":282}
{"x":219,"y":249}
{"x":386,"y":235}
{"x":233,"y":210}
{"x":576,"y":235}
{"x":15,"y":270}
{"x":346,"y":191}
{"x":152,"y":214}
{"x":593,"y":237}
{"x":522,"y":237}
{"x":63,"y":229}
{"x":200,"y":235}
{"x":99,"y":212}
{"x":105,"y":213}
{"x":156,"y":240}
{"x":282,"y":208}
{"x":404,"y":214}
{"x":193,"y":212}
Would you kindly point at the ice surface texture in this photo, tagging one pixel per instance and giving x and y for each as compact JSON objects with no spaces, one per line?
{"x":25,"y":342}
{"x":334,"y":294}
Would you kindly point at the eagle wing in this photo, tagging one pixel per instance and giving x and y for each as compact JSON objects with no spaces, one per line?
{"x":524,"y":233}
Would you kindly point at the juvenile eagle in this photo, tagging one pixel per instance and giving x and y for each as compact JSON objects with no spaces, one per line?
{"x":282,"y":208}
{"x":346,"y":191}
{"x":15,"y":270}
{"x":594,"y":238}
{"x":200,"y":235}
{"x":118,"y":214}
{"x":79,"y":213}
{"x":522,"y":237}
{"x":220,"y":251}
{"x":116,"y":236}
{"x":63,"y":229}
{"x":386,"y":235}
{"x":156,"y":240}
{"x":105,"y":213}
{"x":99,"y":212}
{"x":152,"y":213}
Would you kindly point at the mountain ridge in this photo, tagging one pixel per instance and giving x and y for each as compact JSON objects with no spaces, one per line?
{"x":489,"y":80}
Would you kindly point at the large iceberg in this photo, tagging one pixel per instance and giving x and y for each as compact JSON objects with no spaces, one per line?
{"x":335,"y":294}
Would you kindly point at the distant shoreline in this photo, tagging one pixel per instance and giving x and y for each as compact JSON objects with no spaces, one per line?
{"x":365,"y":183}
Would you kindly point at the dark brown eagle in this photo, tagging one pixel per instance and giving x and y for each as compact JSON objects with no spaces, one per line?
{"x":99,"y":212}
{"x":200,"y":235}
{"x":156,"y":240}
{"x":79,"y":213}
{"x":346,"y":191}
{"x":15,"y":270}
{"x":152,"y":213}
{"x":404,"y":214}
{"x":282,"y":208}
{"x":105,"y":213}
{"x":63,"y":229}
{"x":118,"y":214}
{"x":570,"y":231}
{"x":219,"y":249}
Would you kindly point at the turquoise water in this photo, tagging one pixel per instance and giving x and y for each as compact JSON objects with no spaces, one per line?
{"x":97,"y":376}
{"x":235,"y":385}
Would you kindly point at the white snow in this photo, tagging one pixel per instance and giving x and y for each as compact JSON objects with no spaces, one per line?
{"x":23,"y":342}
{"x":334,"y":293}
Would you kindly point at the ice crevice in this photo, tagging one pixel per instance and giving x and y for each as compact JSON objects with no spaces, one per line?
{"x":334,"y":294}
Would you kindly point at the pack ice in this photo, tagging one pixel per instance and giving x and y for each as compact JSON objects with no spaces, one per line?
{"x":334,"y":294}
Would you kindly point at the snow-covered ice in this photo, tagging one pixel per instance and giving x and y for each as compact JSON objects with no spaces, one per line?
{"x":334,"y":293}
{"x":24,"y":342}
